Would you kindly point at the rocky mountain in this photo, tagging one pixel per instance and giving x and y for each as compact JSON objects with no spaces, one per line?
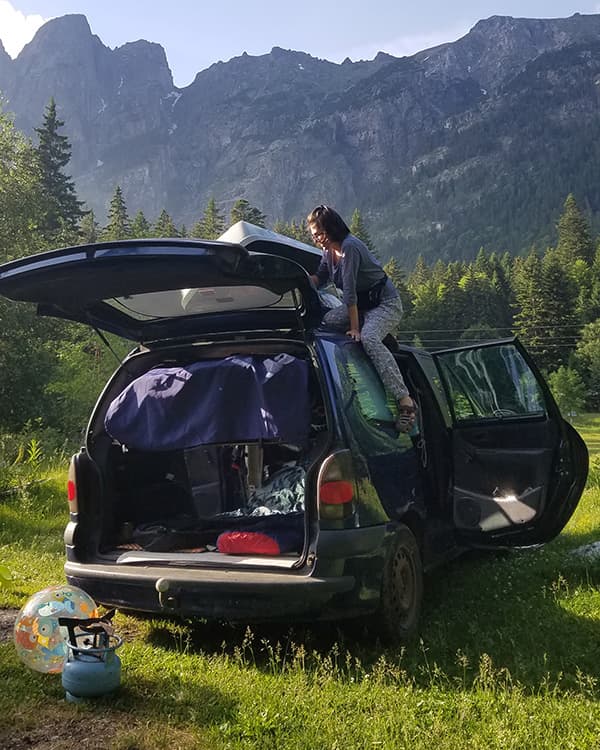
{"x":469,"y":144}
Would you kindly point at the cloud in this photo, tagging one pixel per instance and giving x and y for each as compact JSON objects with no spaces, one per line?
{"x":16,"y":29}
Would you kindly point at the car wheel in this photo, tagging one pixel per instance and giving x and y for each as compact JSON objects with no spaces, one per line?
{"x":402,"y":588}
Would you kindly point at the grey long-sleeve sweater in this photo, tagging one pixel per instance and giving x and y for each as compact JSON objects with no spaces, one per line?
{"x":356,"y":269}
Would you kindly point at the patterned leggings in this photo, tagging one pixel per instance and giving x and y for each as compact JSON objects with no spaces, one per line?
{"x":378,"y":322}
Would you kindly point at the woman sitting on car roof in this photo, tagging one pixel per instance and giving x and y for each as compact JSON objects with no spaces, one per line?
{"x":369,"y":298}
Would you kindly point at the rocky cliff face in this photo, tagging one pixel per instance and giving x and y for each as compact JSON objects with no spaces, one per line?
{"x":5,"y":65}
{"x":467,"y":144}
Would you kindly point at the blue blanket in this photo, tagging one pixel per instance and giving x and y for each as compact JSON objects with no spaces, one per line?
{"x":237,"y":399}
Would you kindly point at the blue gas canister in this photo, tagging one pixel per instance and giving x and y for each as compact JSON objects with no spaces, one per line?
{"x":92,"y":667}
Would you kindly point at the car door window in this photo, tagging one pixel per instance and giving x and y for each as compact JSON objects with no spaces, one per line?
{"x":490,"y":383}
{"x":374,"y":403}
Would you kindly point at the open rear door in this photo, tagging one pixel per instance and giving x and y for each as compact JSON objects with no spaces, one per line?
{"x":156,"y":290}
{"x":519,"y":468}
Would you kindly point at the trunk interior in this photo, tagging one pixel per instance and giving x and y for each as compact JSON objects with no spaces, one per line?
{"x":212,"y":472}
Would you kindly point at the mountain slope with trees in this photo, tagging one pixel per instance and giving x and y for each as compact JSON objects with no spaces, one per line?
{"x":550,"y":299}
{"x":471,"y":144}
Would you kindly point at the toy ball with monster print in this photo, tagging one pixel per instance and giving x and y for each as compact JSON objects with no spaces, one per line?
{"x":40,"y":641}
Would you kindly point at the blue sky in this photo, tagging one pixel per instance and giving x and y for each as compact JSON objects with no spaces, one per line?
{"x":196,"y":34}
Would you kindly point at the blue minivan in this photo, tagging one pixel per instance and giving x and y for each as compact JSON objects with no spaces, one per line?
{"x":242,"y":462}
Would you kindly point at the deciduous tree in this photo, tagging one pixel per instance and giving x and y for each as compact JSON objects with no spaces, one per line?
{"x":568,"y":389}
{"x":22,"y":202}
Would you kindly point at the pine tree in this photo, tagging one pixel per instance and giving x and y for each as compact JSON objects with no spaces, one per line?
{"x":54,"y":153}
{"x":482,"y":263}
{"x":398,"y":278}
{"x":212,"y":223}
{"x":562,"y":322}
{"x":297,"y":231}
{"x":358,"y":229}
{"x":500,"y":272}
{"x":243,"y":211}
{"x":140,"y":226}
{"x":88,"y":228}
{"x":574,"y":240}
{"x":420,"y":274}
{"x":118,"y":227}
{"x":482,"y":306}
{"x":531,"y":318}
{"x":592,"y":311}
{"x":546,"y":320}
{"x":165,"y":226}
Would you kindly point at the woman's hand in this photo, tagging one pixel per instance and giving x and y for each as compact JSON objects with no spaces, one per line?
{"x":354,"y":331}
{"x":407,"y":414}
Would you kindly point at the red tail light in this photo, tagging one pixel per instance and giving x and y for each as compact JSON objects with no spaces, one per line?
{"x":72,"y":488}
{"x":337,"y":488}
{"x":336,"y":492}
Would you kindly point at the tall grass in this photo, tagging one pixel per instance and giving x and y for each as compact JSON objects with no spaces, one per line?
{"x":507,"y":658}
{"x":588,"y":426}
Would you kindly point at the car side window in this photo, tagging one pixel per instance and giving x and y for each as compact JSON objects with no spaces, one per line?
{"x":491,"y":382}
{"x":374,"y":403}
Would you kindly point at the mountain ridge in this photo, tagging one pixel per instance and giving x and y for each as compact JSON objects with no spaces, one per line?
{"x":435,"y":148}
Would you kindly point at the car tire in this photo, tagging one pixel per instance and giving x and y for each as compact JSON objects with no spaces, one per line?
{"x":401,"y":589}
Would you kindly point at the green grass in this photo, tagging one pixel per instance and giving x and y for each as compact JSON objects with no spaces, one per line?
{"x":588,"y":426}
{"x":508,"y":658}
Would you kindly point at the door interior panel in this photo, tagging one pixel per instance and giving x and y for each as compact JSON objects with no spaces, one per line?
{"x":501,"y":473}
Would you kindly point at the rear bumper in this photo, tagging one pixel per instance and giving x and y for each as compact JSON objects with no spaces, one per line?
{"x":241,"y":596}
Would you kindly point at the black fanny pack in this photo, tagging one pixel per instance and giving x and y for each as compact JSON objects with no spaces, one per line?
{"x":367,"y":299}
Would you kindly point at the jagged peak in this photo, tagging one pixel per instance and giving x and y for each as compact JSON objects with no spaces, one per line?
{"x":73,"y":22}
{"x":384,"y":57}
{"x":145,"y":47}
{"x":60,"y":34}
{"x":493,"y":22}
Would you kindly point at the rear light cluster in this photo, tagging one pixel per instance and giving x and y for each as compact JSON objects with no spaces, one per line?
{"x":72,"y":488}
{"x":337,"y":487}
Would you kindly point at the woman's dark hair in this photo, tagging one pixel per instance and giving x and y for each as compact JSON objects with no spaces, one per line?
{"x":329,"y":221}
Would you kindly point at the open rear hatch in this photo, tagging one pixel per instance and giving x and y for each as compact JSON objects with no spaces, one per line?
{"x":164,"y":289}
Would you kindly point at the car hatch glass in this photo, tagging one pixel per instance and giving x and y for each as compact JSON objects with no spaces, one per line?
{"x":174,"y":303}
{"x":490,"y":383}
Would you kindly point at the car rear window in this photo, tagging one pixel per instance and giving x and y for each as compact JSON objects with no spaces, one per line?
{"x":174,"y":303}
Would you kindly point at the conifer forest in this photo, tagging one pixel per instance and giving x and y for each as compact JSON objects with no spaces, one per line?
{"x":549,"y":297}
